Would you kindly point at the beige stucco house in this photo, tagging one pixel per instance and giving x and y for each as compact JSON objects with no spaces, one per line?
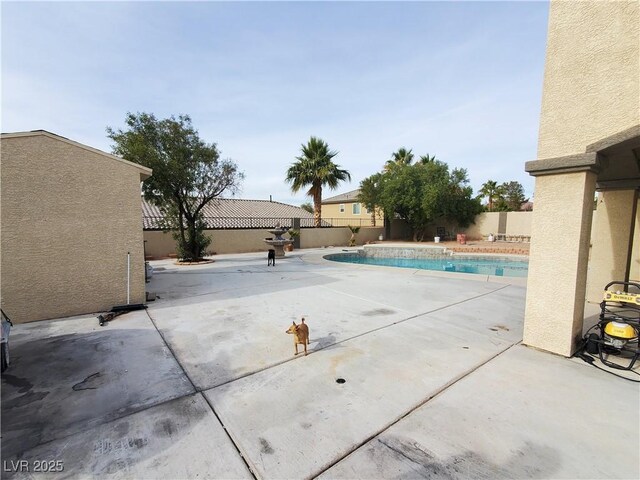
{"x":70,"y":214}
{"x":344,"y":209}
{"x":589,"y":141}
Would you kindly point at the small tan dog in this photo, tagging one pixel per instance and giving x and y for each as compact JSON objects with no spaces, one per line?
{"x":300,"y":335}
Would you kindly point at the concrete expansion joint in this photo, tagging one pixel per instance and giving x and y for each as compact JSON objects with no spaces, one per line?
{"x":319,"y":349}
{"x":403,"y":454}
{"x":198,"y":391}
{"x":413,"y":409}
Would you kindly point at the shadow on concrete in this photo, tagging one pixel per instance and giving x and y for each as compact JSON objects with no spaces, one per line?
{"x":67,"y":383}
{"x":127,"y":443}
{"x":528,"y":461}
{"x":185,"y":288}
{"x":320,"y":343}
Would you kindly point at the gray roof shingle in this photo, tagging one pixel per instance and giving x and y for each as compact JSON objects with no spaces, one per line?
{"x":343,"y":197}
{"x":234,"y":213}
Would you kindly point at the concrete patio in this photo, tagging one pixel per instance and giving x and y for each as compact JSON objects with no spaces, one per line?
{"x":204,"y":384}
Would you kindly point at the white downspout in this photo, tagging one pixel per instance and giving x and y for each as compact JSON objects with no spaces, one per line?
{"x":128,"y":278}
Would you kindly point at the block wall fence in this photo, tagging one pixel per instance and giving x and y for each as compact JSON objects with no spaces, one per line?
{"x":161,"y":245}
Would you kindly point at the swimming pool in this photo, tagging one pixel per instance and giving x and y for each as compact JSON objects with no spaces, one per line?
{"x":498,"y":266}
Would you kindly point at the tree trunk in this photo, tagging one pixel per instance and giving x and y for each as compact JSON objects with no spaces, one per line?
{"x":373,"y":216}
{"x":192,"y":244}
{"x":196,"y":246}
{"x":317,"y":207}
{"x":183,"y":237}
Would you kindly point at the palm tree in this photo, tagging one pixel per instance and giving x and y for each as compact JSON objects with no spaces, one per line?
{"x":316,"y":169}
{"x":401,"y":157}
{"x":427,"y":158}
{"x":354,"y":230}
{"x":492,"y":191}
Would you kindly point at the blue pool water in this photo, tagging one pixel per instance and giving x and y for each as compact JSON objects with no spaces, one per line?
{"x":500,"y":267}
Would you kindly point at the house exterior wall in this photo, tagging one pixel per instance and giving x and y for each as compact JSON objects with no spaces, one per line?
{"x":612,"y":223}
{"x":634,"y":267}
{"x":591,"y":86}
{"x":69,"y":217}
{"x":332,"y":211}
{"x":590,"y":92}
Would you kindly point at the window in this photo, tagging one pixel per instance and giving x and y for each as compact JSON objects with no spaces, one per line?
{"x":356,"y":208}
{"x":342,"y":208}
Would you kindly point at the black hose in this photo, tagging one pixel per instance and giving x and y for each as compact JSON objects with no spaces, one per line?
{"x":585,"y":357}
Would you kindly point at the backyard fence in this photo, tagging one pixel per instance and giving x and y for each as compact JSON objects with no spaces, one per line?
{"x":248,"y":223}
{"x":247,"y":234}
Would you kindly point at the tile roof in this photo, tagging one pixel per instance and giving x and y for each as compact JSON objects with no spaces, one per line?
{"x":235,"y":213}
{"x":343,"y":197}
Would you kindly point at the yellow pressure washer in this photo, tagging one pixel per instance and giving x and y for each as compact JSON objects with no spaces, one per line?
{"x":614,"y":339}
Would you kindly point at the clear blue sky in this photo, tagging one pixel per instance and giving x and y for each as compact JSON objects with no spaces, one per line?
{"x":459,"y":80}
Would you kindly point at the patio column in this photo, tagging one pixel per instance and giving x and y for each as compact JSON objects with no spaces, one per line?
{"x":560,"y":234}
{"x":611,"y":240}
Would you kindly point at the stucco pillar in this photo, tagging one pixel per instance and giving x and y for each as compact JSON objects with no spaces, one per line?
{"x":610,"y":240}
{"x":556,"y":285}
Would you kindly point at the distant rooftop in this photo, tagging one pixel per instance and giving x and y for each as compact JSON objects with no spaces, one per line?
{"x":343,"y":197}
{"x":234,"y":213}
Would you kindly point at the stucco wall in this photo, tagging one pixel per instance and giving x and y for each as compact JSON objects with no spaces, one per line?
{"x":69,"y":217}
{"x":610,"y":236}
{"x":519,"y":223}
{"x":516,"y":223}
{"x":558,"y":261}
{"x":591,"y":88}
{"x":161,"y":245}
{"x":591,"y":91}
{"x":485,"y":223}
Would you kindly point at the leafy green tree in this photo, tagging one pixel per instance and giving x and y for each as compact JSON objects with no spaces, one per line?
{"x":187,"y":173}
{"x":370,"y":193}
{"x":492,"y":192}
{"x":427,"y":192}
{"x":513,"y":195}
{"x":307,"y":206}
{"x":315,"y":169}
{"x":402,"y":157}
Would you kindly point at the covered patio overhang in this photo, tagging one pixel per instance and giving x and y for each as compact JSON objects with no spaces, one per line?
{"x":575,"y":250}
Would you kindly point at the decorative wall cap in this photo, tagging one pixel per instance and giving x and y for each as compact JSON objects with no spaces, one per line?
{"x":580,"y":162}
